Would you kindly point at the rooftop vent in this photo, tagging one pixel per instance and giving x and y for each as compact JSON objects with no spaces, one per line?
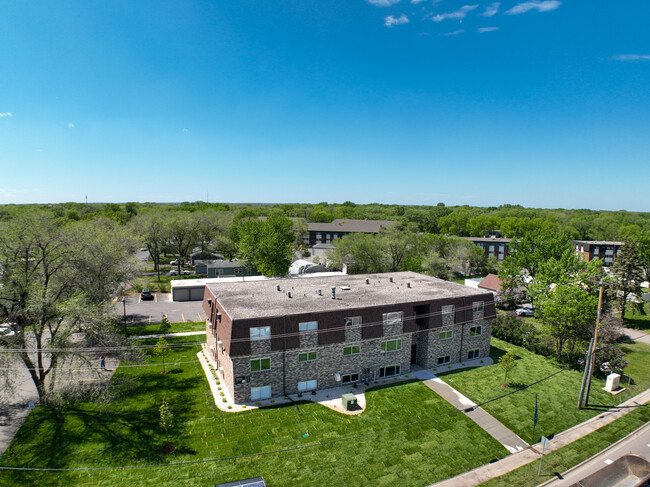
{"x":289,"y":294}
{"x":367,"y":281}
{"x":333,"y":292}
{"x":345,"y":288}
{"x":390,"y":279}
{"x":319,"y":292}
{"x":277,"y":287}
{"x":408,"y":284}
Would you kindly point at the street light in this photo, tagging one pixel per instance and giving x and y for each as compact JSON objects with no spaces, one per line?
{"x":124,"y":303}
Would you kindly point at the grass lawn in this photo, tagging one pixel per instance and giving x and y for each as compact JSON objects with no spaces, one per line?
{"x":563,"y":459}
{"x":155,"y":285}
{"x":126,"y":432}
{"x":557,"y":396}
{"x":154,"y":328}
{"x":638,"y":321}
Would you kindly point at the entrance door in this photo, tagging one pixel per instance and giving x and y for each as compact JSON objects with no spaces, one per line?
{"x":414,"y":353}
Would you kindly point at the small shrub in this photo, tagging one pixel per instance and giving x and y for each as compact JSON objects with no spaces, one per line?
{"x":218,"y":382}
{"x":258,"y":403}
{"x":229,"y":406}
{"x":219,"y":388}
{"x":449,"y":366}
{"x":221,"y":394}
{"x":224,"y":400}
{"x":272,"y":401}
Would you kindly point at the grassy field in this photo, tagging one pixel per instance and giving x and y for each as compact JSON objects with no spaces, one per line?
{"x":563,"y":459}
{"x":557,"y":397}
{"x":126,"y":432}
{"x":638,"y":321}
{"x":154,"y":328}
{"x":156,"y":285}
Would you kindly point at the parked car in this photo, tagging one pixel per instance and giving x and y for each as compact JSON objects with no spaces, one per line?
{"x":173,"y":272}
{"x":525,"y":311}
{"x":143,"y":249}
{"x":176,"y":262}
{"x":146,"y":295}
{"x":185,"y":273}
{"x":8,"y":330}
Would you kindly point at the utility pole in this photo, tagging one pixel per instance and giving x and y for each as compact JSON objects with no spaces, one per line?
{"x":124,"y":303}
{"x":593,"y":350}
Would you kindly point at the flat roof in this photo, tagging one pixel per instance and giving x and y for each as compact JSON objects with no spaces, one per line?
{"x":597,"y":242}
{"x":489,"y":239}
{"x":346,"y":225}
{"x":245,"y":300}
{"x":218,"y":281}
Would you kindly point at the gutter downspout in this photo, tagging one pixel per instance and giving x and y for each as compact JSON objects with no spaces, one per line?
{"x":284,"y":355}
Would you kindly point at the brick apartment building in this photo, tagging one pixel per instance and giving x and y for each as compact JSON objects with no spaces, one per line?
{"x":598,"y":249}
{"x":284,"y":336}
{"x":324,"y":233}
{"x":495,"y":246}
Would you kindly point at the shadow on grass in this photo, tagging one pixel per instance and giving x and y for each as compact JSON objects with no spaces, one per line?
{"x":496,"y":353}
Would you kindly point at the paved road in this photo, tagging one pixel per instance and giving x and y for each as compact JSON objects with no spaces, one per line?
{"x":138,"y":311}
{"x":637,"y":336}
{"x":637,"y":443}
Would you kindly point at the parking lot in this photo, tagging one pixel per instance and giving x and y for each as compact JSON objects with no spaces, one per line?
{"x":138,"y":311}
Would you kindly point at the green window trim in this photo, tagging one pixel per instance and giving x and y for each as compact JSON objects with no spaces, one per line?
{"x":260,"y":364}
{"x":391,"y":345}
{"x":352,"y":350}
{"x":446,"y":335}
{"x":307,"y":356}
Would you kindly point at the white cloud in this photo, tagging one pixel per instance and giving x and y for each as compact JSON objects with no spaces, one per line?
{"x":70,"y":125}
{"x":491,"y":9}
{"x":185,"y":130}
{"x":540,"y":6}
{"x":6,"y":114}
{"x":415,"y":2}
{"x":482,"y":30}
{"x":461,"y":13}
{"x":391,"y":21}
{"x":632,"y":57}
{"x":454,"y":33}
{"x":382,"y":3}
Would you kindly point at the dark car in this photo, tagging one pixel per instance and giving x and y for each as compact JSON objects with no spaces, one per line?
{"x":146,"y":295}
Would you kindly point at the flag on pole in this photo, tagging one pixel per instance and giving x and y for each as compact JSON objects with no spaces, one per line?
{"x":535,"y":421}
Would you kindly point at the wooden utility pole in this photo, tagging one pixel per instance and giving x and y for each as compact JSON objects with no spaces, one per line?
{"x":592,"y":351}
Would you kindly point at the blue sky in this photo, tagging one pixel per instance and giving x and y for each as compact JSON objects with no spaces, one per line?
{"x":542,"y":103}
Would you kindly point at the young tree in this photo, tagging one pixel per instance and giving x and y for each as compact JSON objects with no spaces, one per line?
{"x":166,"y":418}
{"x":507,"y":362}
{"x":162,"y":350}
{"x":628,"y":275}
{"x":56,"y":280}
{"x":164,"y":325}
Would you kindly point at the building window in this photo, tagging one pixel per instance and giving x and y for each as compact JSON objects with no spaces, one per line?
{"x":306,"y":357}
{"x":389,"y":371}
{"x":446,"y":335}
{"x":259,"y":393}
{"x":475,"y":331}
{"x":391,"y":345}
{"x":477,"y":306}
{"x":260,"y":333}
{"x":347,"y":379}
{"x":260,"y":364}
{"x":307,"y":385}
{"x":444,"y":360}
{"x":394,"y":318}
{"x":308,"y":326}
{"x":476,"y":353}
{"x":352,"y":350}
{"x":448,"y":310}
{"x":352,"y":320}
{"x":238,"y":270}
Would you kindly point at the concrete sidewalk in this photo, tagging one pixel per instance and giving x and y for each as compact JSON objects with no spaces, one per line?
{"x":637,"y":335}
{"x":512,"y":462}
{"x":491,"y":425}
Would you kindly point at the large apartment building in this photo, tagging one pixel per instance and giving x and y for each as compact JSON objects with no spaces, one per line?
{"x":284,"y":336}
{"x":324,"y":233}
{"x":598,"y":249}
{"x":495,"y":246}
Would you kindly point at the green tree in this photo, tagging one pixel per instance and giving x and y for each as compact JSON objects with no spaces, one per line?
{"x":166,"y":421}
{"x":507,"y":362}
{"x":568,"y":312}
{"x":153,"y":231}
{"x":164,"y":325}
{"x":183,"y":236}
{"x":628,"y":275}
{"x":267,"y":244}
{"x":162,"y":350}
{"x":56,"y":280}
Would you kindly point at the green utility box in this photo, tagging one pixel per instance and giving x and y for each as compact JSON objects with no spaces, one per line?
{"x":348,"y":401}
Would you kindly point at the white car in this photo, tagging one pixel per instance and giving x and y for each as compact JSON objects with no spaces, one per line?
{"x":8,"y":330}
{"x":525,"y":311}
{"x":185,"y":273}
{"x":173,"y":272}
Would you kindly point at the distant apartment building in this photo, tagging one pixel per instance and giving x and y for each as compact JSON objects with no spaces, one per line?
{"x":495,"y":246}
{"x":286,"y":336}
{"x":598,"y":249}
{"x":325,"y":233}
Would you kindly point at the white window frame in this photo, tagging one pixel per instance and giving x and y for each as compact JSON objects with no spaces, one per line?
{"x":352,"y":321}
{"x":308,"y":356}
{"x":307,"y":385}
{"x":352,"y":352}
{"x":385,"y":346}
{"x":308,"y":326}
{"x":393,"y":318}
{"x":260,"y":333}
{"x":448,"y":335}
{"x":260,"y":361}
{"x":260,"y":393}
{"x":476,"y":331}
{"x":397,"y":370}
{"x":448,"y":309}
{"x":478,"y":306}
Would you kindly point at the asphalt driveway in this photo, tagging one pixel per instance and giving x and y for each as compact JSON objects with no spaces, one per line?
{"x":138,"y":311}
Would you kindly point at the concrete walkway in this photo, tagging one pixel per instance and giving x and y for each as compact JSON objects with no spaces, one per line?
{"x":491,"y":425}
{"x":512,"y":462}
{"x":637,"y":335}
{"x":165,"y":335}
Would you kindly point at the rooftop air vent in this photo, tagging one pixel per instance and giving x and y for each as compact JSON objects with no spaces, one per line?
{"x":408,"y":284}
{"x":345,"y":288}
{"x":333,"y":292}
{"x":319,"y":292}
{"x":390,"y":279}
{"x":277,"y":287}
{"x":367,"y":281}
{"x":289,"y":294}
